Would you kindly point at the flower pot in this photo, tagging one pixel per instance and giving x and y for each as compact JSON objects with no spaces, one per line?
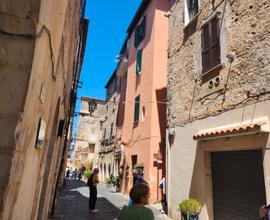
{"x":188,"y":216}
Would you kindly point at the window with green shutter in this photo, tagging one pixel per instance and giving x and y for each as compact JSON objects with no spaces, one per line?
{"x":137,"y":109}
{"x":139,"y":62}
{"x":140,"y":32}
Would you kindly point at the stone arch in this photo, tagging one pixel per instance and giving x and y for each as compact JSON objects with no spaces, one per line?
{"x":105,"y":170}
{"x":109,"y":169}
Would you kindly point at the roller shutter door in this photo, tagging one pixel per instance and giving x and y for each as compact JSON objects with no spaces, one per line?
{"x":238,"y":184}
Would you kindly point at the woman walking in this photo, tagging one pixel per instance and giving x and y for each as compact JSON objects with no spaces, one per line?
{"x":92,"y":183}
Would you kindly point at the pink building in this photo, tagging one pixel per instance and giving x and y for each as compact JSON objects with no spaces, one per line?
{"x":144,"y":126}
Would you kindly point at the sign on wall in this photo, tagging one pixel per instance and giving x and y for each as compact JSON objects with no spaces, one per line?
{"x":40,"y":133}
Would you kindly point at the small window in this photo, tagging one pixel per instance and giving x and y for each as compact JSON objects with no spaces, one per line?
{"x":91,"y":148}
{"x":104,"y":134}
{"x":139,"y":62}
{"x":137,"y":109}
{"x":210,"y":44}
{"x":143,"y":113}
{"x":140,"y":32}
{"x":191,"y":10}
{"x":101,"y":125}
{"x":111,"y":129}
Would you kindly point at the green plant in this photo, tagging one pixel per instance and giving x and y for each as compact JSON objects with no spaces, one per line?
{"x":87,"y":173}
{"x":108,"y":180}
{"x":191,"y":206}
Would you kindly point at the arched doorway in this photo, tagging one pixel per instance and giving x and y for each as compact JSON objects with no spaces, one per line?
{"x":48,"y":161}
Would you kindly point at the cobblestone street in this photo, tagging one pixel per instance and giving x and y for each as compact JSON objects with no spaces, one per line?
{"x":72,"y":203}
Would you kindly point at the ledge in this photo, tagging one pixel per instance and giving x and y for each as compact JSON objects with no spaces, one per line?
{"x":192,"y":21}
{"x":212,"y":72}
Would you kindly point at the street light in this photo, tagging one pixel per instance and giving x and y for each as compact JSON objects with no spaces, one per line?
{"x":92,"y":106}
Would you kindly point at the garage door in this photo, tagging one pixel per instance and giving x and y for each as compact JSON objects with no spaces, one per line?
{"x":238,"y":184}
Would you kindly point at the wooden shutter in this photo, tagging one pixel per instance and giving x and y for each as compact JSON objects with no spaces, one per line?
{"x":215,"y":47}
{"x":210,"y":44}
{"x":206,"y":51}
{"x":137,"y":109}
{"x":139,"y":62}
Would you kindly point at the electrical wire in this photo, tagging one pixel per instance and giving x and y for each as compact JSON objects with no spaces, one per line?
{"x":35,"y":36}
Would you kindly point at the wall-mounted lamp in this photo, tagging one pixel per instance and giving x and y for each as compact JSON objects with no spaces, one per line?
{"x":171,"y":133}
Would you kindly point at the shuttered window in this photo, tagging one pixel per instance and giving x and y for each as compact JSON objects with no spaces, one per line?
{"x":210,"y":44}
{"x":137,"y":109}
{"x":140,"y":32}
{"x":139,"y":62}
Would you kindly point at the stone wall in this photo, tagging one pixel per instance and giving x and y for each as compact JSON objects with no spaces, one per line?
{"x":36,"y":74}
{"x":16,"y":55}
{"x":244,"y":79}
{"x":106,"y":162}
{"x":88,"y":132}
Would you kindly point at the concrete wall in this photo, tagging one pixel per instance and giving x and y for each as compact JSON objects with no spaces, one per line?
{"x":27,"y":65}
{"x":193,"y":106}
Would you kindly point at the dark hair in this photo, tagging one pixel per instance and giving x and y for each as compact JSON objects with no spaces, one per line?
{"x":138,"y":191}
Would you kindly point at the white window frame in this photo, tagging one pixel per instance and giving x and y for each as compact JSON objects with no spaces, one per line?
{"x":187,"y":19}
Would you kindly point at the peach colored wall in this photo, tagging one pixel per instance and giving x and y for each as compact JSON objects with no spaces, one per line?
{"x":145,"y":137}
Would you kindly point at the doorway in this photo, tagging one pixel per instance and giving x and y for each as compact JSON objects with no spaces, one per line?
{"x":238,"y":184}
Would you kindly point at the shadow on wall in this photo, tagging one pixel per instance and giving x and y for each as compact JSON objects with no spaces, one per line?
{"x":161,"y":96}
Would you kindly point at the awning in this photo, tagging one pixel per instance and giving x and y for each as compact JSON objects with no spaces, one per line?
{"x":242,"y":128}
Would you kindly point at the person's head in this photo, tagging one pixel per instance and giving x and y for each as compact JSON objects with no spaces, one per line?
{"x":139,"y":193}
{"x":96,"y":171}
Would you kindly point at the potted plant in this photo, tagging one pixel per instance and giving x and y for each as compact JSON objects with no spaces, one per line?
{"x":190,"y":209}
{"x":138,"y":168}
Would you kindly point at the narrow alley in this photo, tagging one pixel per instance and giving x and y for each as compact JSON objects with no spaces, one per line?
{"x":72,"y":203}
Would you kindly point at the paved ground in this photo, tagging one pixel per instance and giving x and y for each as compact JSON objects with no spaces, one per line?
{"x":72,"y":203}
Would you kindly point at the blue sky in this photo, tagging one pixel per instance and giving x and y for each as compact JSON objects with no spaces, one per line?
{"x":108,"y":23}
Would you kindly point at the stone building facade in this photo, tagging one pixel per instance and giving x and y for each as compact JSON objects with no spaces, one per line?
{"x":108,"y":143}
{"x":89,"y":134}
{"x":38,"y":65}
{"x":218,"y":107}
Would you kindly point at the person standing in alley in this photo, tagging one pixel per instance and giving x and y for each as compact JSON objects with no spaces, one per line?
{"x":75,"y":173}
{"x":92,"y":184}
{"x":162,"y":186}
{"x":67,"y":172}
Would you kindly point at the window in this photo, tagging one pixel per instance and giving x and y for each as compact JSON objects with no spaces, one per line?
{"x":111,"y":129}
{"x":137,"y":109}
{"x":101,"y":125}
{"x":191,"y":10}
{"x":91,"y":148}
{"x":210,"y":44}
{"x":139,"y":62}
{"x":104,"y":134}
{"x":140,"y":32}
